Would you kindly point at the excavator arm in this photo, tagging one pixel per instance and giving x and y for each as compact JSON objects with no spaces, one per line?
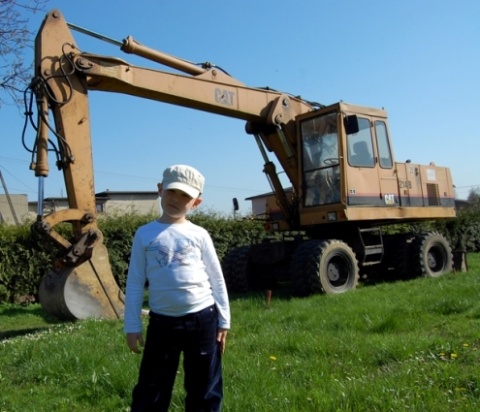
{"x":81,"y":283}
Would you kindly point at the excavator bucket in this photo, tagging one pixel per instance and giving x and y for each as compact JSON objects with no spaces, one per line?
{"x":85,"y":291}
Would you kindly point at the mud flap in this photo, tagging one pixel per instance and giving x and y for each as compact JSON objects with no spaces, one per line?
{"x":86,"y":291}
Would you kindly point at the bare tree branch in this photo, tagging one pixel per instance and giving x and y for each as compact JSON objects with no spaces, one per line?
{"x":15,"y":38}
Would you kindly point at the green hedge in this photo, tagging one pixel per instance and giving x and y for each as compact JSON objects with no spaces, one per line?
{"x":25,"y":257}
{"x":23,"y":261}
{"x":463,"y":232}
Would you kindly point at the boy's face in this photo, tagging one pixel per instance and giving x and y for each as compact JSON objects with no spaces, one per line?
{"x":176,"y":203}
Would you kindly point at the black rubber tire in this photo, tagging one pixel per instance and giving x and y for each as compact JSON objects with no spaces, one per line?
{"x":236,"y":269}
{"x":324,"y":266}
{"x":431,"y":255}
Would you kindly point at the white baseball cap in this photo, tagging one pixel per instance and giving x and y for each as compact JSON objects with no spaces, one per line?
{"x":184,"y":178}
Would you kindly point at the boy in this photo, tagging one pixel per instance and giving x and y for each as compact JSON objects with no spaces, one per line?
{"x":188,"y":301}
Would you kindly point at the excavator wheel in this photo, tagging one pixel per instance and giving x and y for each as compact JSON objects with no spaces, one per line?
{"x":236,"y":269}
{"x":85,"y":291}
{"x":327,"y":266}
{"x":431,"y":255}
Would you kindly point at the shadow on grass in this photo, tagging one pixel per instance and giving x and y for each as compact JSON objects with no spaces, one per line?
{"x":31,"y":310}
{"x":9,"y":334}
{"x":25,"y":312}
{"x":283,"y":291}
{"x":279,"y":291}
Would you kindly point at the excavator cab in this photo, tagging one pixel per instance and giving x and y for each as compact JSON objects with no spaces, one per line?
{"x":347,"y":165}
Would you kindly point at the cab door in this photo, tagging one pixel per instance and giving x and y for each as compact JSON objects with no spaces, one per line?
{"x":362,"y":175}
{"x":320,"y":161}
{"x":385,"y":165}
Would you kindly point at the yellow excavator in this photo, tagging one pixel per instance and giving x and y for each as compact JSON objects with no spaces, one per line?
{"x":345,"y":183}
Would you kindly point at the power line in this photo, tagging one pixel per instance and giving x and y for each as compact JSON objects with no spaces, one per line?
{"x":16,"y":179}
{"x":467,"y":187}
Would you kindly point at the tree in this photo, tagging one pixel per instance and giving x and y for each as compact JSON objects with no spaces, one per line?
{"x":474,"y":198}
{"x":474,"y":194}
{"x":15,"y":37}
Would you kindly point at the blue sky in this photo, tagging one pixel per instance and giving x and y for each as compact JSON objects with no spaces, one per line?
{"x":418,"y":59}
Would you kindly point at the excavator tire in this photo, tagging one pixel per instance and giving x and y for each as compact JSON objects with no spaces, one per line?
{"x":86,"y":291}
{"x":431,"y":255}
{"x":236,"y":269}
{"x":327,"y":266}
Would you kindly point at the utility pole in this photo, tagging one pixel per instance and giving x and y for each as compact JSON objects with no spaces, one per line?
{"x":9,"y":200}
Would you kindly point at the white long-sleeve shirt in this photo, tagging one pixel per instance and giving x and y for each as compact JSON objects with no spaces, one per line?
{"x":183,"y":272}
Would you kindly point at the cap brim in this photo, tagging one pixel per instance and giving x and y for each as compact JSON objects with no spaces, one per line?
{"x":190,"y":191}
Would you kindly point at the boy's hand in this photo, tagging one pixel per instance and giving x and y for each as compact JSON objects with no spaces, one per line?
{"x":222,"y":338}
{"x":133,"y":340}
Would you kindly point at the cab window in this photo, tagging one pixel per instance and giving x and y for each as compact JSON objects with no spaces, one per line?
{"x":384,"y":152}
{"x":359,"y":145}
{"x":320,"y":160}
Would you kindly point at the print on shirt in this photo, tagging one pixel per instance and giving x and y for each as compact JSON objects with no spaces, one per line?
{"x":184,"y":253}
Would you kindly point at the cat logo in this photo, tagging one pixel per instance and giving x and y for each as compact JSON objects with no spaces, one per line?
{"x":389,"y":199}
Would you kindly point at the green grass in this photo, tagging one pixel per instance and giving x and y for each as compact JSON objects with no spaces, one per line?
{"x":405,"y":346}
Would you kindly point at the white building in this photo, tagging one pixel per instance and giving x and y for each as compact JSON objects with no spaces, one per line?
{"x":13,"y":208}
{"x":107,"y":202}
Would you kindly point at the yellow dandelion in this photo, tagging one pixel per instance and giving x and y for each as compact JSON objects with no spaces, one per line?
{"x":466,"y":345}
{"x":274,"y":358}
{"x":453,"y":356}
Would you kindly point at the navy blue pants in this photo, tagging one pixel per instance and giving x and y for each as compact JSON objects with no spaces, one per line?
{"x":167,"y":337}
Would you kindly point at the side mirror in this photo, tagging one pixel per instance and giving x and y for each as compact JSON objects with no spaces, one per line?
{"x":351,"y":124}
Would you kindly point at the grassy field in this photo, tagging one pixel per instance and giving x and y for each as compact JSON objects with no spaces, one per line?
{"x":405,"y":346}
